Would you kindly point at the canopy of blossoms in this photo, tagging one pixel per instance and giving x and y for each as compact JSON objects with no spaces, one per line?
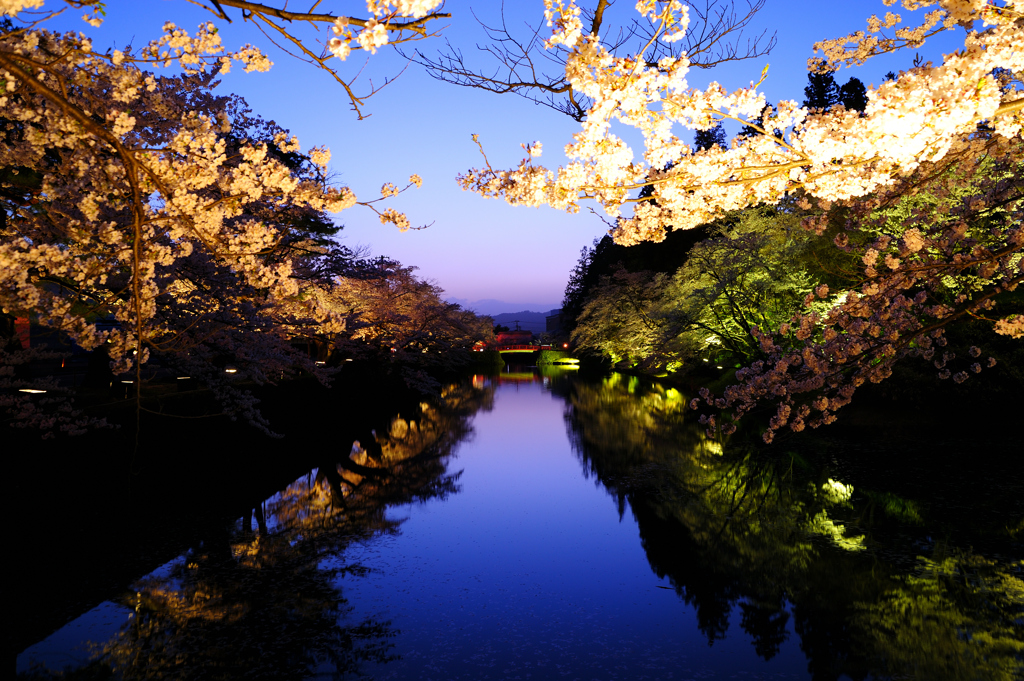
{"x":926,"y":113}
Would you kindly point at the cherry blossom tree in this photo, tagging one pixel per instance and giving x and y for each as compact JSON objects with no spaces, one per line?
{"x":193,"y":225}
{"x":944,"y":245}
{"x":519,"y":61}
{"x":404,"y":323}
{"x":319,"y":38}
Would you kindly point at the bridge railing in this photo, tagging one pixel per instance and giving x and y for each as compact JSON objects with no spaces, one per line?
{"x":522,"y":348}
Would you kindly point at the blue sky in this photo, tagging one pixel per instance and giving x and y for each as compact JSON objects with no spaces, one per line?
{"x":475,"y":248}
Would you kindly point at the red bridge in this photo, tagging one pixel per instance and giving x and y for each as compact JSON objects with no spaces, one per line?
{"x":522,"y":348}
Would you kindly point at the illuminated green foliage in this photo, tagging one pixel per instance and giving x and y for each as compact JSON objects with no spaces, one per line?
{"x":623,"y":319}
{"x":748,"y":274}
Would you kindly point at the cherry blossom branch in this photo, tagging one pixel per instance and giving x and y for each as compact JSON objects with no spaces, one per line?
{"x":841,"y":155}
{"x":321,"y":62}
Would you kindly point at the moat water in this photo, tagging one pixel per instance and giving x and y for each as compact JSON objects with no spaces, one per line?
{"x":537,"y":525}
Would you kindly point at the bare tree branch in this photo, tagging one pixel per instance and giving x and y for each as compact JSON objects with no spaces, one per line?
{"x":519,"y":63}
{"x":283,"y":23}
{"x":418,"y":26}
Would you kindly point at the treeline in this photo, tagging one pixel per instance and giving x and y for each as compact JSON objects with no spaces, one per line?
{"x":710,"y":287}
{"x":390,"y":319}
{"x":708,"y":298}
{"x":232,"y":277}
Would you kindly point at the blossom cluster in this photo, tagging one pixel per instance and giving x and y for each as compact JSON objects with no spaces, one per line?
{"x":857,"y":48}
{"x":349,"y":34}
{"x":11,"y":7}
{"x":194,"y":54}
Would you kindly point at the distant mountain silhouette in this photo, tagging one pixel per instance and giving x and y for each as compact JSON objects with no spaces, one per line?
{"x":490,"y":306}
{"x":530,"y":321}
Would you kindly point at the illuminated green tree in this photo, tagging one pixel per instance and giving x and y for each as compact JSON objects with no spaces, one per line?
{"x":750,"y":273}
{"x":622,"y":318}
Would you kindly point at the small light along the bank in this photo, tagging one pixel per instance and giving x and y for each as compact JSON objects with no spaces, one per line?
{"x":349,"y":359}
{"x":230,"y":370}
{"x":719,"y":366}
{"x":184,"y":378}
{"x":320,"y":364}
{"x":128,"y":382}
{"x":31,"y":391}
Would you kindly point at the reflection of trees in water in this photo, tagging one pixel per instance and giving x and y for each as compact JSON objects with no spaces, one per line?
{"x":956,"y":617}
{"x":734,"y":528}
{"x":271,"y":612}
{"x":266,"y":604}
{"x":403,"y":462}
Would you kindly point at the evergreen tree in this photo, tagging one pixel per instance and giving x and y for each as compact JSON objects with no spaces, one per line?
{"x":581,"y":280}
{"x":854,"y":95}
{"x":606,"y":256}
{"x":750,"y":131}
{"x":705,"y":139}
{"x":821,"y":91}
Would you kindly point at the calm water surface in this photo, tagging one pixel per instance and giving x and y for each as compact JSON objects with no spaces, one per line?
{"x":544,"y":527}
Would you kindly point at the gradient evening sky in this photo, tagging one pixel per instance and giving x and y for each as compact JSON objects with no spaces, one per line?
{"x":475,"y":248}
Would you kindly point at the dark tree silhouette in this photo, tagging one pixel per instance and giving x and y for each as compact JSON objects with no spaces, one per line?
{"x":705,"y":139}
{"x":821,"y":91}
{"x":854,"y":95}
{"x":750,"y":131}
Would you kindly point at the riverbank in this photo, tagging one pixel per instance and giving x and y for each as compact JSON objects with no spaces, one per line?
{"x":100,"y":510}
{"x":912,"y":394}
